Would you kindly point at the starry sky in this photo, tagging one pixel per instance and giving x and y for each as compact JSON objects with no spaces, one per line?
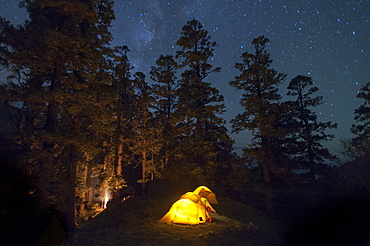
{"x":328,"y":40}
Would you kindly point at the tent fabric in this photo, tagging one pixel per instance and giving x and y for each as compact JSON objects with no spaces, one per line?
{"x":208,"y":206}
{"x":205,"y":192}
{"x":191,"y":196}
{"x":192,"y":208}
{"x":201,"y":188}
{"x":185,"y":211}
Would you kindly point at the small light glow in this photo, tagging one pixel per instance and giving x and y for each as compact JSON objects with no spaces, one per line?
{"x":106,"y":196}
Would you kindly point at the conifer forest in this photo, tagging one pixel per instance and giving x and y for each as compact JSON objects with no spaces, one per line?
{"x":80,"y":127}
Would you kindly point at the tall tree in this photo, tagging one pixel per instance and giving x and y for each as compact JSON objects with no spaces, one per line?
{"x":260,"y":100}
{"x":308,"y":150}
{"x":124,"y":86}
{"x":199,"y":102}
{"x":61,"y":52}
{"x":165,"y":88}
{"x":145,"y":143}
{"x":360,"y":145}
{"x":362,"y":114}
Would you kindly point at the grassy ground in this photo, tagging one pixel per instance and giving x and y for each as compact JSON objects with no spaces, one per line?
{"x":134,"y":222}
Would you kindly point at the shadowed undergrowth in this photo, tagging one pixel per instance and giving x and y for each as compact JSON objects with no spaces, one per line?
{"x":134,"y":222}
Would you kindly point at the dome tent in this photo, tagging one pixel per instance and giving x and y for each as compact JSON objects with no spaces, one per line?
{"x":190,"y":209}
{"x":185,"y":211}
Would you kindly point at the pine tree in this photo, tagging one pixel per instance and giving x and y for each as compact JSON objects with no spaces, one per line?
{"x":60,"y":53}
{"x":360,"y":145}
{"x":362,"y":128}
{"x":145,"y":142}
{"x":165,"y":94}
{"x":123,"y":85}
{"x":260,"y":99}
{"x":308,"y":150}
{"x":199,"y":103}
{"x":262,"y":113}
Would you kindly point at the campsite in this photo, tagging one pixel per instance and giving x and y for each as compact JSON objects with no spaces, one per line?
{"x":299,"y":219}
{"x":135,"y":222}
{"x":170,"y":129}
{"x":324,"y":221}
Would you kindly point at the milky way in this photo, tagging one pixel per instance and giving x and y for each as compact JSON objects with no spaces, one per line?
{"x":328,"y":40}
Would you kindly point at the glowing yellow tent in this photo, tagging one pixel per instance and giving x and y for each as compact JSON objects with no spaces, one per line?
{"x":206,"y":197}
{"x":191,"y":208}
{"x":205,"y":192}
{"x":185,"y":211}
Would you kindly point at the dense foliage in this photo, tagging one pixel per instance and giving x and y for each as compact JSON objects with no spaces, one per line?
{"x":83,"y":124}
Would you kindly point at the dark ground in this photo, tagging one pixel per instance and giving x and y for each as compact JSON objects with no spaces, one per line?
{"x":325,"y":218}
{"x":134,"y":222}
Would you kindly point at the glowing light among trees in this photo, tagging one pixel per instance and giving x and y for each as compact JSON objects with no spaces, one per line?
{"x":106,"y":196}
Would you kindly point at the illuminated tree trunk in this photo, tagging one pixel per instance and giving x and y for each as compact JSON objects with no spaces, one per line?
{"x":119,"y":157}
{"x":71,"y":164}
{"x":143,"y":172}
{"x":84,"y":194}
{"x":91,"y":189}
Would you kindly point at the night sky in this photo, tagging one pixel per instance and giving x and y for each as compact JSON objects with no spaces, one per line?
{"x":328,"y":40}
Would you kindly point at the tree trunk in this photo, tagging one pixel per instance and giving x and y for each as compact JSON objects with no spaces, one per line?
{"x":266,"y":174}
{"x":84,"y":194}
{"x":53,"y":105}
{"x":90,"y":193}
{"x":119,"y":157}
{"x":143,"y":172}
{"x":69,"y":213}
{"x":269,"y":193}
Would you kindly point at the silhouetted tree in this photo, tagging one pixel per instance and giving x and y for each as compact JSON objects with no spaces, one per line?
{"x":166,"y":98}
{"x":145,"y":143}
{"x":307,"y":150}
{"x":262,"y":113}
{"x":199,"y":103}
{"x":360,"y":145}
{"x":125,"y":109}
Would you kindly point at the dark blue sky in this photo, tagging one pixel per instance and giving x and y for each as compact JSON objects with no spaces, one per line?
{"x":328,"y":40}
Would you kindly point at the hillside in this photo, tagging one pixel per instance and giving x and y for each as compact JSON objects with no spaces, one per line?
{"x":134,"y":222}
